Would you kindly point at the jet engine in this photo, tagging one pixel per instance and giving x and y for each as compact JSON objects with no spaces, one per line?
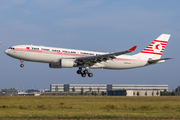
{"x":63,"y":63}
{"x":67,"y":63}
{"x":51,"y":65}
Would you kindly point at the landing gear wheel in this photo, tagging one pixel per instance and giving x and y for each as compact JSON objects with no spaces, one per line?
{"x":83,"y":75}
{"x":85,"y":71}
{"x":22,"y":65}
{"x":90,"y":74}
{"x":79,"y":72}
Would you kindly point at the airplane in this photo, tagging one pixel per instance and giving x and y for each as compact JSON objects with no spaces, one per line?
{"x":69,"y":58}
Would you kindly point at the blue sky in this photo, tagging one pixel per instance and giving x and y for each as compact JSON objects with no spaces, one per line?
{"x":100,"y":25}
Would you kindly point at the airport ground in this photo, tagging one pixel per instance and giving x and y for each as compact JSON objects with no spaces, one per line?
{"x":89,"y":107}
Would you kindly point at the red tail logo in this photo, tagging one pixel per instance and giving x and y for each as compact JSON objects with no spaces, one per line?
{"x":157,"y":47}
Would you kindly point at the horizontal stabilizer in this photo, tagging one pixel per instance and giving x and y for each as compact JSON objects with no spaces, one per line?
{"x":150,"y":61}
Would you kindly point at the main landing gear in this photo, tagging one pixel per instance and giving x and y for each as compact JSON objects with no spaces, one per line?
{"x":83,"y":73}
{"x":21,"y":65}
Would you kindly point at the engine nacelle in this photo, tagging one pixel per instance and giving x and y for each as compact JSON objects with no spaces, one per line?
{"x":67,"y":63}
{"x":54,"y":65}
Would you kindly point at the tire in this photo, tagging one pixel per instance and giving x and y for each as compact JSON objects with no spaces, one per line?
{"x":90,"y":74}
{"x":22,"y":65}
{"x":85,"y":71}
{"x":83,"y":75}
{"x":79,"y":72}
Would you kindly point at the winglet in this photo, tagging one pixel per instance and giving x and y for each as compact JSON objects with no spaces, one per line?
{"x":133,"y":48}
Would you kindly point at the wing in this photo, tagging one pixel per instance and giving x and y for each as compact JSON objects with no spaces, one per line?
{"x":91,"y":60}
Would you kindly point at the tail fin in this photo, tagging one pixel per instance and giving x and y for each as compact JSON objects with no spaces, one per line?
{"x":156,"y":48}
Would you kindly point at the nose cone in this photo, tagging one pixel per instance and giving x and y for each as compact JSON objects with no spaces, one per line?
{"x":6,"y":52}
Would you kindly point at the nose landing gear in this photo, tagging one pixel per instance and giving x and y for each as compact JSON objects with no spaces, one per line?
{"x":21,"y":65}
{"x":83,"y":73}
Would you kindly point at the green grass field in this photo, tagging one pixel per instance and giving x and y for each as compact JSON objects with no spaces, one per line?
{"x":89,"y":107}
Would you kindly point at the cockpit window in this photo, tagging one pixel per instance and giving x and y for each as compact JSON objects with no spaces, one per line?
{"x":11,"y":48}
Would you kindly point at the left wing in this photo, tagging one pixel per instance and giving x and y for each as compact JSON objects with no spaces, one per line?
{"x":99,"y":58}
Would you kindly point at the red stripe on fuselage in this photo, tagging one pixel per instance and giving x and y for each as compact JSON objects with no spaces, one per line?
{"x":71,"y":54}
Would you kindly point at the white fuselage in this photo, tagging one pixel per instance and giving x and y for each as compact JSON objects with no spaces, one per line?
{"x":68,"y":58}
{"x":53,"y":55}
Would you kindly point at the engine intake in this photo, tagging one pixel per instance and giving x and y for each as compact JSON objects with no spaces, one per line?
{"x":67,"y":63}
{"x":63,"y":63}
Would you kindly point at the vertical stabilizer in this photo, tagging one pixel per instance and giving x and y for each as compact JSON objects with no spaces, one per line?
{"x":156,"y":48}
